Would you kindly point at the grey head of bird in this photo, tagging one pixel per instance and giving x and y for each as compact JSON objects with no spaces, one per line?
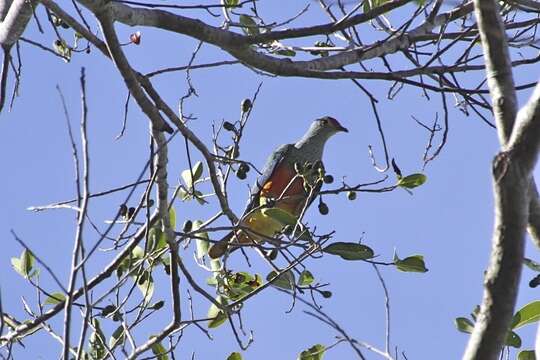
{"x":320,"y":130}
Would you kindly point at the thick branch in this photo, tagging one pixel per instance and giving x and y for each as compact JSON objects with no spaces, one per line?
{"x":15,"y":21}
{"x":512,"y":174}
{"x":236,"y":44}
{"x":502,"y":88}
{"x":498,"y":67}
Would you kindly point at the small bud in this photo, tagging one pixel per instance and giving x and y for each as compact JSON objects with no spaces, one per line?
{"x":272,"y":254}
{"x":107,"y":310}
{"x":246,"y":105}
{"x":188,"y":225}
{"x":64,"y":25}
{"x":351,"y":195}
{"x":241,"y":174}
{"x":123,"y":210}
{"x":135,"y":38}
{"x":228,"y":126}
{"x":326,"y":294}
{"x":158,"y":305}
{"x":56,"y":20}
{"x":328,"y":179}
{"x":535,"y":281}
{"x":244,"y":167}
{"x":323,"y":208}
{"x":150,"y":203}
{"x":131,"y":212}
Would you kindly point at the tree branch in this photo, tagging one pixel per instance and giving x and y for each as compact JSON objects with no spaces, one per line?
{"x":17,"y":17}
{"x":512,"y":175}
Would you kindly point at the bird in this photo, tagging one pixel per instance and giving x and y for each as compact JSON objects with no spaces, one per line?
{"x":279,"y":186}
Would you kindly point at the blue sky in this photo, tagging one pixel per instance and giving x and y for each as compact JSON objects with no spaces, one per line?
{"x":448,"y":220}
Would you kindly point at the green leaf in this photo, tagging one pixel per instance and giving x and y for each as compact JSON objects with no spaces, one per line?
{"x":249,"y":26}
{"x":159,"y":351}
{"x":231,"y":3}
{"x":371,"y":4}
{"x":145,"y":283}
{"x":199,"y":197}
{"x":464,"y":325}
{"x":531,"y":264}
{"x":240,"y":284}
{"x":215,"y":314}
{"x":350,"y":251}
{"x":118,"y":337}
{"x":55,"y":298}
{"x":197,"y":171}
{"x":183,"y":194}
{"x":526,"y":355}
{"x":97,"y":341}
{"x":282,"y":216}
{"x":286,"y":52}
{"x":513,"y":340}
{"x":412,"y":181}
{"x":306,"y":278}
{"x":157,"y":305}
{"x":172,"y":218}
{"x":367,"y":6}
{"x":156,"y":240}
{"x":24,"y":264}
{"x":215,"y":265}
{"x":528,"y":314}
{"x":285,"y":281}
{"x":316,"y":352}
{"x":137,"y":253}
{"x":414,"y":263}
{"x":234,"y":356}
{"x":202,"y":244}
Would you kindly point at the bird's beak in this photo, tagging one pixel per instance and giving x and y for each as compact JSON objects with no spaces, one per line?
{"x":341,"y":128}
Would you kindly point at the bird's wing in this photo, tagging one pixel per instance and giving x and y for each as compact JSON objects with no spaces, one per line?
{"x":268,"y":171}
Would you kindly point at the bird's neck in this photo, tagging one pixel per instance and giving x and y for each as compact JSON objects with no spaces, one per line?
{"x":312,"y":145}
